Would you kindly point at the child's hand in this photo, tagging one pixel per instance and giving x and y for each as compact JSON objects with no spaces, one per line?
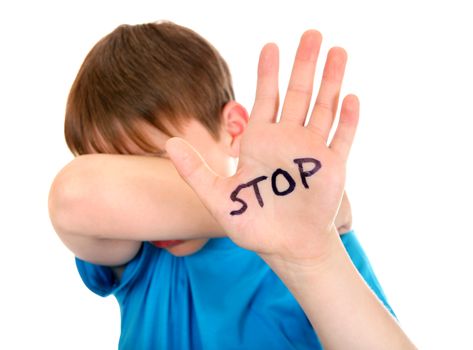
{"x":283,"y":199}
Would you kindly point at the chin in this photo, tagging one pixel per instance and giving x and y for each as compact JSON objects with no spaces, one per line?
{"x":187,"y":247}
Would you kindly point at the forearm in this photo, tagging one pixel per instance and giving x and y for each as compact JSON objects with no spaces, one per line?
{"x":343,"y":310}
{"x":127,"y":198}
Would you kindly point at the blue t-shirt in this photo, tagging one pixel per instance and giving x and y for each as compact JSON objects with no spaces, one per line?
{"x":222,"y":297}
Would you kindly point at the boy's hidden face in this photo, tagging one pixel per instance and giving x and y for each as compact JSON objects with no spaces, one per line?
{"x":214,"y":152}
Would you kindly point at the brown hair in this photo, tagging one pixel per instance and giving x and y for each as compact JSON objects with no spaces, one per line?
{"x":159,"y":73}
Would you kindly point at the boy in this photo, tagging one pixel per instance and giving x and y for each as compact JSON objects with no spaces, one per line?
{"x":137,"y":87}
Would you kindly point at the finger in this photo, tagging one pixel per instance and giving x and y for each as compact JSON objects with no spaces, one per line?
{"x":193,"y":169}
{"x":299,"y":92}
{"x":266,"y":103}
{"x":343,"y":138}
{"x":326,"y":103}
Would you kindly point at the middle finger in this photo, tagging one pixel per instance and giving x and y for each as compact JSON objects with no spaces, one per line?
{"x":299,"y":92}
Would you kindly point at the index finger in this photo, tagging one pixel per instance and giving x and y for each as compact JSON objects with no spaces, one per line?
{"x":266,"y":103}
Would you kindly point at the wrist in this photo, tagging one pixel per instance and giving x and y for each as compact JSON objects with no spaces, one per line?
{"x":325,"y":260}
{"x":339,"y":304}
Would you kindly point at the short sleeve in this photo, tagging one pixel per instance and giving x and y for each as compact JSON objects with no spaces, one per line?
{"x":362,"y":264}
{"x":102,"y":280}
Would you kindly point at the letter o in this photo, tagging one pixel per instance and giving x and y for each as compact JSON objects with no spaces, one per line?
{"x":289,"y":179}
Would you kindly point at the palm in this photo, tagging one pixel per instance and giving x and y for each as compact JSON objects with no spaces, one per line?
{"x":286,"y":212}
{"x":299,"y":213}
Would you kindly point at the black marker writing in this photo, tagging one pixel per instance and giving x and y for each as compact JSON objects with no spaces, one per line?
{"x":305,"y":174}
{"x":237,"y":190}
{"x":289,"y":179}
{"x":291,"y":183}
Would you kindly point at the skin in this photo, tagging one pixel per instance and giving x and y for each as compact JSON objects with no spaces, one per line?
{"x":296,"y":234}
{"x":217,"y":153}
{"x":87,"y":206}
{"x":90,"y":194}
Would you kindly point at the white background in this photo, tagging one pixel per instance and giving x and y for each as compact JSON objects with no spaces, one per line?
{"x":409,"y":176}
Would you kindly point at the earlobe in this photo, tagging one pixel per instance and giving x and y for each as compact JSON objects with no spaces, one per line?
{"x":234,"y":122}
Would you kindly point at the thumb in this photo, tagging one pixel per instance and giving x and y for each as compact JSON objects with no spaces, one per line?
{"x":193,"y":169}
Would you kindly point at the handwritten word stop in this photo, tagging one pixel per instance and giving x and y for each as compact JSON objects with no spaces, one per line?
{"x":291,"y":183}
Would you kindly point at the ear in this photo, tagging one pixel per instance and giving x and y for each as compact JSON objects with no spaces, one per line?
{"x":234,"y":122}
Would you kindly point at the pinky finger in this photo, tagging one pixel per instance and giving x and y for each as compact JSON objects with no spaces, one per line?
{"x":345,"y":133}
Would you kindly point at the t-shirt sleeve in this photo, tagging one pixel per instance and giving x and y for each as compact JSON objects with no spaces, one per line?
{"x":102,"y":280}
{"x":361,"y":262}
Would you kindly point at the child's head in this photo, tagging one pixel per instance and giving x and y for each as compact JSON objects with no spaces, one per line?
{"x":141,"y":84}
{"x":155,"y":76}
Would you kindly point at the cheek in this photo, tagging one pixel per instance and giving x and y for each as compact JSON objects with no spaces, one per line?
{"x":203,"y":145}
{"x":210,"y":151}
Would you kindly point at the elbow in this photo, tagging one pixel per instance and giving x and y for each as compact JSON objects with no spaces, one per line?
{"x":65,"y":198}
